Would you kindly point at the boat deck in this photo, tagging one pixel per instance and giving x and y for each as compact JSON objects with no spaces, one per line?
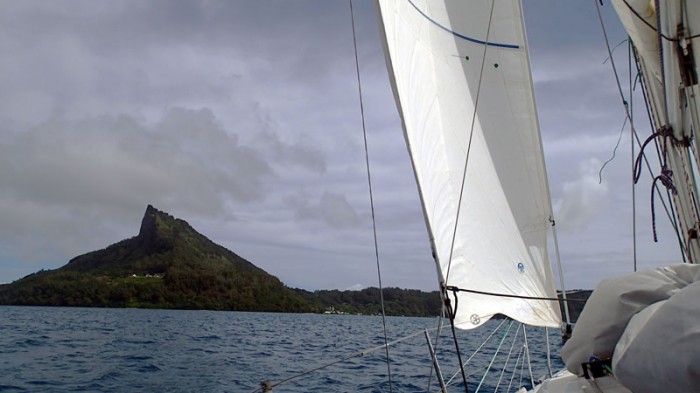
{"x":566,"y":382}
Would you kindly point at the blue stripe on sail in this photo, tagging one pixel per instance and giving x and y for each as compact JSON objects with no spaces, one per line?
{"x":462,"y":36}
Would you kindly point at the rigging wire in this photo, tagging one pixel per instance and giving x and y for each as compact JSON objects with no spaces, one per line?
{"x":341,"y":360}
{"x":614,"y":48}
{"x":527,"y":354}
{"x":495,"y":354}
{"x":627,"y":110}
{"x":612,"y":61}
{"x":461,"y":194}
{"x":619,"y":138}
{"x":452,"y":314}
{"x":510,"y":353}
{"x":477,"y":350}
{"x":438,"y":332}
{"x":624,"y":123}
{"x":371,"y":197}
{"x":554,"y":299}
{"x":515,"y":368}
{"x":469,"y":144}
{"x":650,"y":116}
{"x":634,"y":194}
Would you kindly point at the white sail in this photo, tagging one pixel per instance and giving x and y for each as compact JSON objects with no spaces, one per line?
{"x":498,"y":244}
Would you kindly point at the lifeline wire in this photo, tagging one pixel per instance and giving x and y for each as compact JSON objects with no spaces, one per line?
{"x":553,"y":299}
{"x":357,"y":354}
{"x":371,"y":198}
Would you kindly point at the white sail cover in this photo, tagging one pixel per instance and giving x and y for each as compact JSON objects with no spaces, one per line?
{"x":434,"y":51}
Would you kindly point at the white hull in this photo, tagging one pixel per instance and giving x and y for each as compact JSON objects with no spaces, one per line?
{"x":566,"y":382}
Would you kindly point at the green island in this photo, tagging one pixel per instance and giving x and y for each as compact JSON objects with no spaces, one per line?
{"x":170,"y":265}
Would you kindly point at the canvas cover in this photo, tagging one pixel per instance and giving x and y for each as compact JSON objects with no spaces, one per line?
{"x":660,"y":348}
{"x":613,"y":303}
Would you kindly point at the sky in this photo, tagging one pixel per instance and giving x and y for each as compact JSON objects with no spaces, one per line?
{"x":242,"y":118}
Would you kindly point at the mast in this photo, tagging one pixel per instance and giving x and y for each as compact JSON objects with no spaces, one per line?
{"x":663,"y":36}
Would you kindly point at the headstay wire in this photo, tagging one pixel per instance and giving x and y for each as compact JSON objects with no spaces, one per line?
{"x":371,"y":196}
{"x":451,"y":312}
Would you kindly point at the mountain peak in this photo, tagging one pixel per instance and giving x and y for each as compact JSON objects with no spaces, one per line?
{"x":156,"y":223}
{"x":149,"y":223}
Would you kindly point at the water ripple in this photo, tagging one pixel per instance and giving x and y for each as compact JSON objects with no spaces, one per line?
{"x":121,"y":350}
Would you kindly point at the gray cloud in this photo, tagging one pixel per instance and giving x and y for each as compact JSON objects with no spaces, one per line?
{"x":332,"y":209}
{"x":243,"y":118}
{"x":298,"y":153}
{"x":583,"y":198}
{"x":184,"y":157}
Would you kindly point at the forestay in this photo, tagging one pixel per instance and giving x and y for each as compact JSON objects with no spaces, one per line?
{"x":434,"y":52}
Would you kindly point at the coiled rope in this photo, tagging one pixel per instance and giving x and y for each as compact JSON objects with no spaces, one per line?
{"x":650,"y":115}
{"x":666,"y":176}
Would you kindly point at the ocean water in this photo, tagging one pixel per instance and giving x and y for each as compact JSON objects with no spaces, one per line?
{"x":47,"y":349}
